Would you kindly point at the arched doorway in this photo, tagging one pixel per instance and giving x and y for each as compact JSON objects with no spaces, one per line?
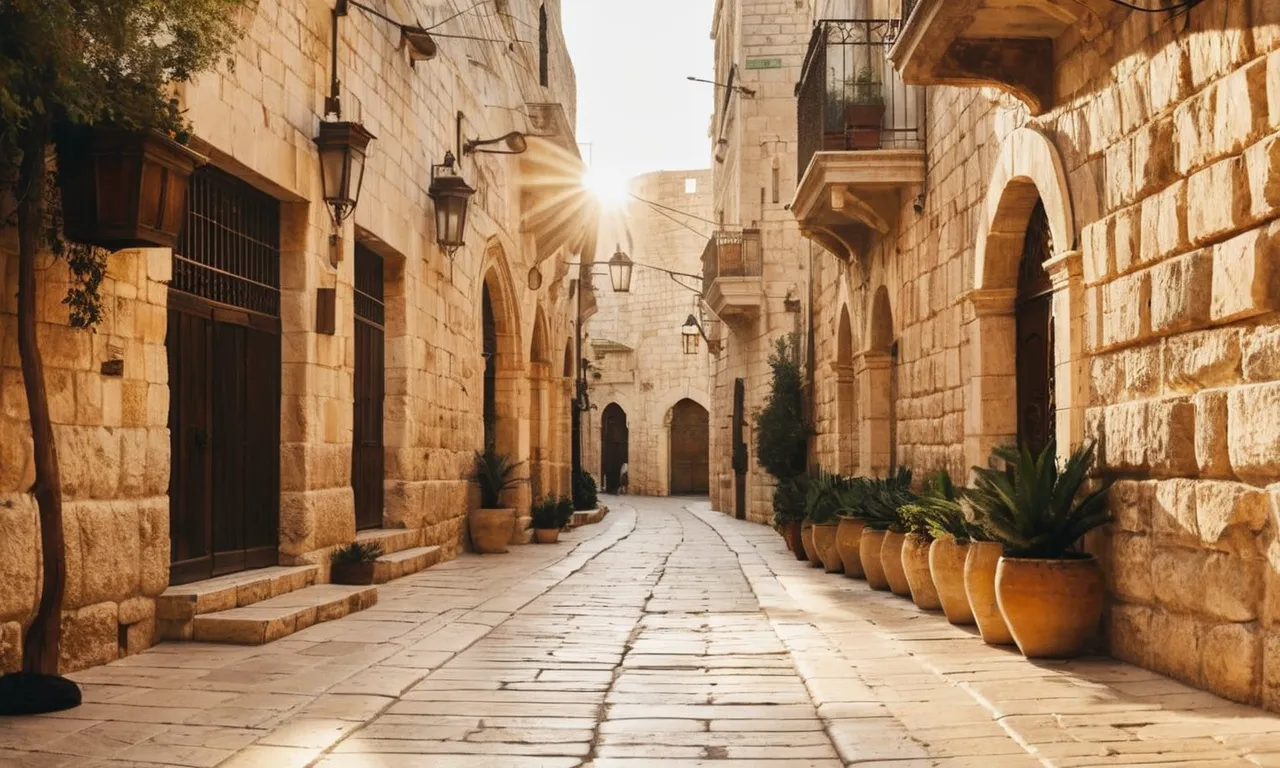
{"x":613,"y":445}
{"x":879,"y":387}
{"x":690,"y":449}
{"x":490,"y":371}
{"x":846,"y":398}
{"x":1034,"y":326}
{"x":503,"y":370}
{"x":539,"y":376}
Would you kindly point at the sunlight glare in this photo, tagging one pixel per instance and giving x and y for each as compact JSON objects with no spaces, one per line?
{"x":609,"y":187}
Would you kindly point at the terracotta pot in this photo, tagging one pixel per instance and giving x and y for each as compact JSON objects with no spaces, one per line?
{"x":491,"y":530}
{"x":980,"y":586}
{"x":915,"y":562}
{"x":824,"y":540}
{"x":786,"y":539}
{"x":1052,"y":607}
{"x":546,"y":535}
{"x":946,"y":565}
{"x":794,"y":535}
{"x":810,"y":548}
{"x":891,"y":562}
{"x":848,"y":542}
{"x":351,"y":573}
{"x":869,"y":553}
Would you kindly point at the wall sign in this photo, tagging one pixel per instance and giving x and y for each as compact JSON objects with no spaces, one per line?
{"x":759,"y":63}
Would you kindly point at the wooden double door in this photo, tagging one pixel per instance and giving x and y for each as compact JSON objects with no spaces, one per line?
{"x":368,"y":461}
{"x":223,"y":347}
{"x":690,"y":449}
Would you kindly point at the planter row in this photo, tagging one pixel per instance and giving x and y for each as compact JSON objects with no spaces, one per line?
{"x":1048,"y":608}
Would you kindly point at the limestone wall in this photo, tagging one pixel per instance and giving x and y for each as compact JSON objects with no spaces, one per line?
{"x":257,"y":121}
{"x":637,"y":355}
{"x":1157,"y":170}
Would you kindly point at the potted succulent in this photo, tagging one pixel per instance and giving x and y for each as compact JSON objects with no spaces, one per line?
{"x":880,"y":512}
{"x":354,"y":563}
{"x":864,"y":114}
{"x":1050,"y":594}
{"x":548,"y":517}
{"x":951,"y":532}
{"x":788,"y":513}
{"x":852,"y":522}
{"x":885,"y":501}
{"x":821,"y":504}
{"x":917,"y":518}
{"x":491,"y":525}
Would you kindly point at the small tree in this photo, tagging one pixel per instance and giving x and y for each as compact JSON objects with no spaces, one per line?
{"x":68,"y":63}
{"x":782,"y":435}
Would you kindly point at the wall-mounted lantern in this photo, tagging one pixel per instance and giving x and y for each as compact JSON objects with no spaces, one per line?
{"x":620,"y":267}
{"x":690,"y":335}
{"x":452,"y":196}
{"x":343,"y":147}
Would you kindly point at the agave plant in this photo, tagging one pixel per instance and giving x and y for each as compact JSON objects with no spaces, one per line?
{"x":822,"y":500}
{"x":885,"y":498}
{"x":852,"y":497}
{"x":1031,"y":506}
{"x":494,"y":473}
{"x":939,"y":512}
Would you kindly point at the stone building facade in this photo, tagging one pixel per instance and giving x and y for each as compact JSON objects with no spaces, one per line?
{"x":650,"y":399}
{"x":249,"y":379}
{"x":1089,"y":255}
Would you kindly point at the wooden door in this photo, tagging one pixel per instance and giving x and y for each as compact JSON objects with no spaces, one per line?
{"x":224,"y":375}
{"x":690,"y":449}
{"x":1034,"y":350}
{"x":367,"y":453}
{"x":613,"y":446}
{"x":739,"y":449}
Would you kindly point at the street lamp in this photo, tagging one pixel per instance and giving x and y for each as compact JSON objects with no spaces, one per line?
{"x":690,"y":335}
{"x":343,"y":146}
{"x":620,"y":267}
{"x":452,"y":196}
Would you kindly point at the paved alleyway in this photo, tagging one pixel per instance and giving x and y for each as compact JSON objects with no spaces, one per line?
{"x":663,"y":636}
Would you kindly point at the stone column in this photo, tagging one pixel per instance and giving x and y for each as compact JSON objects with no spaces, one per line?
{"x":873,"y":384}
{"x":991,"y":414}
{"x":846,"y":418}
{"x":1071,"y":373}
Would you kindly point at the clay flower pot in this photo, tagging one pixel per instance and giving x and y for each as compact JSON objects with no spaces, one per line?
{"x":980,"y":586}
{"x":351,"y":573}
{"x":491,"y":530}
{"x":869,"y":553}
{"x":824,"y":540}
{"x":792,"y":533}
{"x":1052,"y":607}
{"x":810,"y":548}
{"x":915,"y":562}
{"x":946,"y":565}
{"x":848,"y":542}
{"x":546,"y":535}
{"x":891,"y":562}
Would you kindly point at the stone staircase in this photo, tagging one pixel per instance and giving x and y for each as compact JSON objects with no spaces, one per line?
{"x":257,"y":607}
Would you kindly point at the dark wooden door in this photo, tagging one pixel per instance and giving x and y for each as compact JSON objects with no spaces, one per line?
{"x":613,"y":446}
{"x":367,"y":454}
{"x":690,"y":449}
{"x":1034,"y":350}
{"x":224,"y":375}
{"x":739,"y":449}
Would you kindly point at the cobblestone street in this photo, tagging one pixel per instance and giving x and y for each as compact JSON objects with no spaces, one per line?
{"x":665,"y":635}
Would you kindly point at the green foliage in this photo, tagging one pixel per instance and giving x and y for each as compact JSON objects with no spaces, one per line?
{"x":866,"y":91}
{"x":585,"y":491}
{"x":885,"y":497}
{"x":1031,"y":505}
{"x":356,"y":553}
{"x":551,"y":513}
{"x":852,"y":498}
{"x":938,"y":511}
{"x":822,"y":498}
{"x":782,"y":435}
{"x":494,"y":473}
{"x":789,"y":500}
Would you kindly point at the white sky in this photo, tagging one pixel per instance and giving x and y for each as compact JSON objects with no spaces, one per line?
{"x":635,"y":106}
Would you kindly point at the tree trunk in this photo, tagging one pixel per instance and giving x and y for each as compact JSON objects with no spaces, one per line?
{"x":40,"y":647}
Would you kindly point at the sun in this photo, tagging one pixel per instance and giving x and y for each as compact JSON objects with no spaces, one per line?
{"x":607,"y":185}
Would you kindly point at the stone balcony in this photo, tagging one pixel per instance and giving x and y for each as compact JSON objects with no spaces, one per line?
{"x":732,"y":274}
{"x":861,"y":138}
{"x":1005,"y":44}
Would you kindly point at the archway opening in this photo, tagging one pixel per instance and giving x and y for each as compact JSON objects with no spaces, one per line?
{"x":1033,"y":318}
{"x":614,"y":446}
{"x":879,"y":386}
{"x":846,"y":398}
{"x":690,"y":449}
{"x":502,"y":368}
{"x":490,"y":371}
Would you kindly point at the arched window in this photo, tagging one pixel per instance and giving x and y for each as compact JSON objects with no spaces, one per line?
{"x":543,"y":47}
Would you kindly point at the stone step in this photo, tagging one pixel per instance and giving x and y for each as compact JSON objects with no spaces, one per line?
{"x":404,"y":563}
{"x":177,"y":606}
{"x":279,"y":617}
{"x":392,"y":540}
{"x":588,"y":517}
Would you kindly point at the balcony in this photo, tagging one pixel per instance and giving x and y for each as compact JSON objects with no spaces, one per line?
{"x":1003,"y":44}
{"x":732,"y":269}
{"x":861,"y":135}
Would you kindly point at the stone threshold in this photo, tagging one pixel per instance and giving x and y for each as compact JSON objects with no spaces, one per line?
{"x":178,"y":606}
{"x":279,"y":617}
{"x":402,"y":552}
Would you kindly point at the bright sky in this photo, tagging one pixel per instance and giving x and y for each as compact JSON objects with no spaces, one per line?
{"x":635,"y":107}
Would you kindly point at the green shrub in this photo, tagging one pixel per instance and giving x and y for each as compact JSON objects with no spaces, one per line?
{"x":545,"y":514}
{"x":789,"y":500}
{"x":822,"y":500}
{"x":884,"y":500}
{"x":585,"y":493}
{"x":564,"y":511}
{"x":782,"y":436}
{"x":494,"y":473}
{"x":356,"y":553}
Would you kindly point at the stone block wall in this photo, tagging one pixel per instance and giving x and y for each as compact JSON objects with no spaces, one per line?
{"x":1156,"y":168}
{"x":638,"y":358}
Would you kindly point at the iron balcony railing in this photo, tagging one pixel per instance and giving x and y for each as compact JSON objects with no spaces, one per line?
{"x":731,"y":254}
{"x":850,"y":96}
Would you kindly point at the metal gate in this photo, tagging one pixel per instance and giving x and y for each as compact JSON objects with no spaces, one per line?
{"x":223,"y":348}
{"x":367,"y":456}
{"x":690,"y":449}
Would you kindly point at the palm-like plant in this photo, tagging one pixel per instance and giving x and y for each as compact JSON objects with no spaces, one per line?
{"x":789,"y":499}
{"x":822,"y":500}
{"x":939,"y":511}
{"x":494,"y":473}
{"x":852,"y":498}
{"x":1031,"y":506}
{"x":885,"y":497}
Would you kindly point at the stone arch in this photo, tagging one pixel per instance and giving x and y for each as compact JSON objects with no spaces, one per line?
{"x":846,"y":396}
{"x":501,"y":357}
{"x":540,"y":443}
{"x":877,"y":383}
{"x":614,"y":445}
{"x":1029,"y":181}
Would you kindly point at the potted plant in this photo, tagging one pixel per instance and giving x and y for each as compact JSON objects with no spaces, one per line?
{"x":547,"y":518}
{"x":354,"y":563}
{"x":834,"y":130}
{"x":917,"y":518}
{"x":491,"y":525}
{"x":810,"y":548}
{"x":586,"y":494}
{"x":821,"y":504}
{"x":880,"y":511}
{"x":864,"y":113}
{"x":885,"y":501}
{"x":852,"y":523}
{"x":1050,"y":594}
{"x":788,"y":513}
{"x":951,"y":532}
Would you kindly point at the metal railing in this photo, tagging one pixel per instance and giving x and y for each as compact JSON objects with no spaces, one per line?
{"x":850,"y":97}
{"x":732,"y":254}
